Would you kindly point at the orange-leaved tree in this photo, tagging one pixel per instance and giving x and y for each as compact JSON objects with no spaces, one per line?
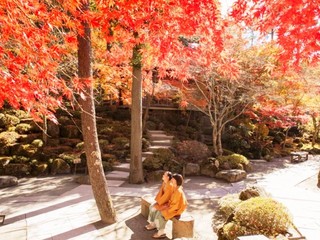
{"x":147,"y":35}
{"x":295,"y":25}
{"x":36,"y":39}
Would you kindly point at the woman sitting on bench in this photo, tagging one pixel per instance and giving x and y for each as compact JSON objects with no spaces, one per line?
{"x":161,"y":199}
{"x":174,"y":208}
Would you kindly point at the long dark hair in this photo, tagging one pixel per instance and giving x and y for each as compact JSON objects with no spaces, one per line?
{"x":169,"y":174}
{"x":178,"y":178}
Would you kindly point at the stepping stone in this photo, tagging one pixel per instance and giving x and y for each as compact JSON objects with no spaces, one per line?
{"x":117,"y":175}
{"x":146,"y":154}
{"x":115,"y":183}
{"x":125,"y":167}
{"x":111,"y":183}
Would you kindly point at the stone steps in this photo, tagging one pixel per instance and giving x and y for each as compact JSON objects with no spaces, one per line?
{"x":117,"y":175}
{"x":152,"y":148}
{"x":120,"y":174}
{"x":161,"y":143}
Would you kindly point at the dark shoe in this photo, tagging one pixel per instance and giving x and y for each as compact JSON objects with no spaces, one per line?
{"x":156,"y":236}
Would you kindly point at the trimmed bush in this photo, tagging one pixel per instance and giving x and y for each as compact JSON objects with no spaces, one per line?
{"x":228,"y":204}
{"x":257,"y":215}
{"x":121,"y":142}
{"x":159,"y":158}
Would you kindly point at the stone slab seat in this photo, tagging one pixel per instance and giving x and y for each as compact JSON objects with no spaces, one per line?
{"x":182,"y":227}
{"x":299,"y":156}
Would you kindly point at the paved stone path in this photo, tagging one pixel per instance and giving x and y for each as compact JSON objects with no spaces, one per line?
{"x":53,"y":208}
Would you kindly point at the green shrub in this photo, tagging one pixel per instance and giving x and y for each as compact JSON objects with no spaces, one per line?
{"x":158,"y":159}
{"x":121,"y":142}
{"x":257,"y":215}
{"x":228,"y":203}
{"x":234,"y":160}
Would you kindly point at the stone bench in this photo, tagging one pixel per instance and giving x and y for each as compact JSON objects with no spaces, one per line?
{"x":182,"y":227}
{"x":299,"y":156}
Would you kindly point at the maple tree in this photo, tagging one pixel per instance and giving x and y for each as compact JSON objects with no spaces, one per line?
{"x":145,"y":35}
{"x":295,"y":25}
{"x":37,"y":38}
{"x":30,"y":53}
{"x":224,"y":93}
{"x":89,"y":128}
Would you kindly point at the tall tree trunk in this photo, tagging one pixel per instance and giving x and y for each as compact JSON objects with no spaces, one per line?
{"x":89,"y":130}
{"x":136,"y":172}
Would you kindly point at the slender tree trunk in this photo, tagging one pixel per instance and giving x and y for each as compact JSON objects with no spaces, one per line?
{"x":146,"y":113}
{"x":316,"y":126}
{"x":89,"y":131}
{"x":214,"y":141}
{"x":220,"y":149}
{"x":285,"y":138}
{"x":136,"y":172}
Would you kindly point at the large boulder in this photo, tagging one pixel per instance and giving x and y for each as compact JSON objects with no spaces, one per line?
{"x":8,"y":181}
{"x":192,"y":169}
{"x":232,"y":175}
{"x":251,"y":192}
{"x":209,"y":167}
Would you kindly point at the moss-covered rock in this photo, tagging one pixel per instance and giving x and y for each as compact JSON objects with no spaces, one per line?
{"x":7,"y":120}
{"x":233,"y":161}
{"x":60,"y":166}
{"x":7,"y":138}
{"x":17,"y":169}
{"x":23,"y":128}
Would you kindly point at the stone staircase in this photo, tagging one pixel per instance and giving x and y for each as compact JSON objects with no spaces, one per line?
{"x":120,"y":174}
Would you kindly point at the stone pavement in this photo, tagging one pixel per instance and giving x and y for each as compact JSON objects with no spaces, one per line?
{"x":52,"y":208}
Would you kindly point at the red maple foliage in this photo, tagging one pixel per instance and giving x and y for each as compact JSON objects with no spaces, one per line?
{"x":294,"y":23}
